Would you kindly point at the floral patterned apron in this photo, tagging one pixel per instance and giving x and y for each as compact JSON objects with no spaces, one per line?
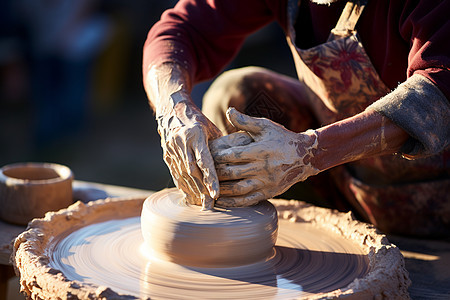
{"x":395,"y":194}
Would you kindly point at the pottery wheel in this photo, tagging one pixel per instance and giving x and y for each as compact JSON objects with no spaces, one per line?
{"x":96,"y":251}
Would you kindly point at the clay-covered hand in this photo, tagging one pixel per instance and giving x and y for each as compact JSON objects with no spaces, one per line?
{"x":270,"y":164}
{"x":185,"y":133}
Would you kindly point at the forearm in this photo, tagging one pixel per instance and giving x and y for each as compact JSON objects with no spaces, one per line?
{"x":166,"y":85}
{"x":364,"y":135}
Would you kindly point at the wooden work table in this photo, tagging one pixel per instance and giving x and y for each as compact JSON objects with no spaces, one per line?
{"x":427,"y":261}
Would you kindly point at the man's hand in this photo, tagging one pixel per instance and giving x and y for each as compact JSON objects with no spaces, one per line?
{"x":184,"y":132}
{"x":253,"y":171}
{"x":184,"y":138}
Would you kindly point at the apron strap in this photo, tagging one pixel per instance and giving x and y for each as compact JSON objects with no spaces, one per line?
{"x":348,"y":19}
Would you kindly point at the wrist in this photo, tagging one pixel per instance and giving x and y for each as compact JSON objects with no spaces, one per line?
{"x":306,"y":147}
{"x":322,"y":157}
{"x":171,"y":104}
{"x":166,"y":85}
{"x":309,"y":159}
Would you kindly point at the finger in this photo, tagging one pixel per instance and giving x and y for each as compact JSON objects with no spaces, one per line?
{"x":171,"y":161}
{"x":197,"y":177}
{"x":181,"y":183}
{"x":241,"y":154}
{"x":207,"y":203}
{"x":178,"y":163}
{"x":187,"y":197}
{"x":245,"y":122}
{"x":240,"y":138}
{"x":191,"y":170}
{"x":226,"y":172}
{"x":241,"y":201}
{"x":240,"y":187}
{"x":183,"y":186}
{"x":206,"y":166}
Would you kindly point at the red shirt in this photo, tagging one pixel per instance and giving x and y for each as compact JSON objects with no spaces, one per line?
{"x":401,"y":37}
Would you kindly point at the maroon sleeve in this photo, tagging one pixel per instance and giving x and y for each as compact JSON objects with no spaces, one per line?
{"x":427,"y":26}
{"x":204,"y":35}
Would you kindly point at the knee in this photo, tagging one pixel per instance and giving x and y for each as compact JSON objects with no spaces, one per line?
{"x":232,"y":86}
{"x":231,"y":89}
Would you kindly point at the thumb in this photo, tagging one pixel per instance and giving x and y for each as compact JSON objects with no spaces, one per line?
{"x":244,"y":122}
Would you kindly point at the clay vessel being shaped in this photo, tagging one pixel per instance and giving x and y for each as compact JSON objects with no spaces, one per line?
{"x":224,"y":237}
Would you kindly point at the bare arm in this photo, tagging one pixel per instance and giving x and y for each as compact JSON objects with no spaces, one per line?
{"x":364,"y":135}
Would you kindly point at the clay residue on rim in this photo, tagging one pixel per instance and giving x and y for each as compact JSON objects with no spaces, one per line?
{"x":387,"y":277}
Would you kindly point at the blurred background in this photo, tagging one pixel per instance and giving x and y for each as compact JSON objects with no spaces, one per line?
{"x":71,"y":86}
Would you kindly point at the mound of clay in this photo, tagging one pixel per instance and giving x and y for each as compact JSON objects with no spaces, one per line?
{"x":183,"y":234}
